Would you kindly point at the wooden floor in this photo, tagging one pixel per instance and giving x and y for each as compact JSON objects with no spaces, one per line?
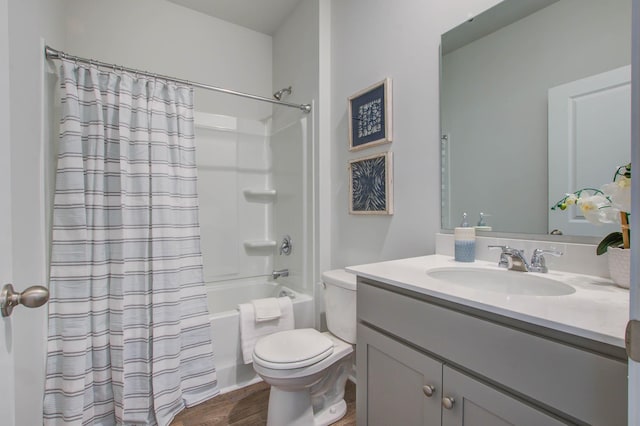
{"x":248,"y":407}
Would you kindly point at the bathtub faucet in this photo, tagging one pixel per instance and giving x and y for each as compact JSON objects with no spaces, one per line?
{"x":280,"y":273}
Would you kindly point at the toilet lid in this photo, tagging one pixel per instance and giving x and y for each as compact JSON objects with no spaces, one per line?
{"x":292,"y":349}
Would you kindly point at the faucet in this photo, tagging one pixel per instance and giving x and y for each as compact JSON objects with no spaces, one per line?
{"x":514,"y":260}
{"x":280,"y":273}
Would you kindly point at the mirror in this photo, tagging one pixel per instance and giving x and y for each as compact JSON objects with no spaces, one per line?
{"x":499,"y":71}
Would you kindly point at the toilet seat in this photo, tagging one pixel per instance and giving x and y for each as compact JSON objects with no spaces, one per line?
{"x":292,"y":349}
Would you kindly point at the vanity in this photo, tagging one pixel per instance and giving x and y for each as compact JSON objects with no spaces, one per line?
{"x":432,"y":351}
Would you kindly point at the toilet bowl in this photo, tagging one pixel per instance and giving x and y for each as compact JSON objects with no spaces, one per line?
{"x":307,"y":369}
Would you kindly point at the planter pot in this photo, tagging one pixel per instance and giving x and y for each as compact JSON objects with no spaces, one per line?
{"x":619,"y":266}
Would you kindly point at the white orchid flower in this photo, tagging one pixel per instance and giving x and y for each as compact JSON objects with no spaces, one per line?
{"x":597,"y":209}
{"x":620,"y":193}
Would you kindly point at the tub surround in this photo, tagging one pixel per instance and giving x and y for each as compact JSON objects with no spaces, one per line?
{"x":597,"y":311}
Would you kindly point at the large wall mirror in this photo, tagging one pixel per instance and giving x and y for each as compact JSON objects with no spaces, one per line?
{"x":535,"y":103}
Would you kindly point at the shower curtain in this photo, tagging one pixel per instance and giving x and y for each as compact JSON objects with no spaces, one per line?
{"x":129,"y":336}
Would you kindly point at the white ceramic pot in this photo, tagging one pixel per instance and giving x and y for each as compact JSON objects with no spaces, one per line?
{"x":620,"y":266}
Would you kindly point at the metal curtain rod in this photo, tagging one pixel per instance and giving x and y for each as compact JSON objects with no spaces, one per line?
{"x":51,"y":53}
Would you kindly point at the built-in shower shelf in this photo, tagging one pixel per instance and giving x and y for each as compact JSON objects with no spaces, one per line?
{"x":260,"y":195}
{"x":259,"y":244}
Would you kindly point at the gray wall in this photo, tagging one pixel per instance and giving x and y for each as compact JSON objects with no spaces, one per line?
{"x":370,"y":40}
{"x":495,"y":110}
{"x":164,"y":38}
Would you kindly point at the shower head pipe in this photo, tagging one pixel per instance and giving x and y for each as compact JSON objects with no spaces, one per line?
{"x":279,"y":93}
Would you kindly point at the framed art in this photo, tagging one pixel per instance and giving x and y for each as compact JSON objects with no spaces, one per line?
{"x":371,"y":185}
{"x":370,"y":116}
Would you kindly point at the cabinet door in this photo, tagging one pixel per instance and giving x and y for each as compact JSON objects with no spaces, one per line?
{"x":397,"y":385}
{"x":478,"y":404}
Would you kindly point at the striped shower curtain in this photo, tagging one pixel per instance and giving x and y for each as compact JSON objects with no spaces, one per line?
{"x":129,"y":337}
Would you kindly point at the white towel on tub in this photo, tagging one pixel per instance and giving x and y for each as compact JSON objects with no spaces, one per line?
{"x":266,"y":309}
{"x":251,"y":331}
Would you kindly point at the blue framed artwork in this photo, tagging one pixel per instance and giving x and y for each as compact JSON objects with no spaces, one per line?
{"x":371,"y":185}
{"x":370,"y":116}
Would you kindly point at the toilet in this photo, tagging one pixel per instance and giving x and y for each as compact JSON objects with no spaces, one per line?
{"x":307,"y":369}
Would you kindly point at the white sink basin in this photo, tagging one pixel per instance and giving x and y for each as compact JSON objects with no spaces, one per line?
{"x":502,"y":281}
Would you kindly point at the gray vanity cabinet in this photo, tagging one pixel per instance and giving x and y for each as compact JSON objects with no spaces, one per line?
{"x":477,"y":404}
{"x":403,"y":386}
{"x":424,"y":361}
{"x":406,"y":387}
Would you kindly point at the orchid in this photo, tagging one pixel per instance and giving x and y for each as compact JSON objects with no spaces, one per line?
{"x":611,"y":203}
{"x":597,"y":209}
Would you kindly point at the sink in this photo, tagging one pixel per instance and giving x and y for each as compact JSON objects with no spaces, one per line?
{"x":502,"y":281}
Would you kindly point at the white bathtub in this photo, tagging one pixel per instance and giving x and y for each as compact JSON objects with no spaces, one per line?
{"x":225,"y":325}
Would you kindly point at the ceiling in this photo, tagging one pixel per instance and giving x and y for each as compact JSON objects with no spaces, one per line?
{"x":264,"y":16}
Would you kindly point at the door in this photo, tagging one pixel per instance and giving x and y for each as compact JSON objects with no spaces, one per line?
{"x":7,"y":385}
{"x":402,"y":386}
{"x":589,"y":134}
{"x":469,"y":402}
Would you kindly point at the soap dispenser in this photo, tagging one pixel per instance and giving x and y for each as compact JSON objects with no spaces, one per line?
{"x":464,"y":241}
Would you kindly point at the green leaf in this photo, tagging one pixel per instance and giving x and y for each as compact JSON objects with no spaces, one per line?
{"x":614,"y":239}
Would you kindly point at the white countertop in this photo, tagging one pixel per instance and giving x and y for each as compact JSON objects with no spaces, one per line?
{"x":598,"y":310}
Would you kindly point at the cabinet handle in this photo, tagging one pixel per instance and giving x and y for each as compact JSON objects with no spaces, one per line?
{"x":428,"y":390}
{"x":447,"y":402}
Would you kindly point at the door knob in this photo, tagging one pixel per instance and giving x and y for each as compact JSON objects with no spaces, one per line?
{"x":32,"y":297}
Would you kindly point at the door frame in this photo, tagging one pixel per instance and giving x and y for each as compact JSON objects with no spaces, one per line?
{"x":634,"y":296}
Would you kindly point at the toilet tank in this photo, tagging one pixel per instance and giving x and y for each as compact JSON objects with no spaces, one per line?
{"x":340,"y":303}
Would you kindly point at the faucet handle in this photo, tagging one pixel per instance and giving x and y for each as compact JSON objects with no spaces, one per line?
{"x":538,"y":255}
{"x":551,"y":252}
{"x":538,"y":262}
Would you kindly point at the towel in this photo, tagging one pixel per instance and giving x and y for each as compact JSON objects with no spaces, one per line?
{"x":266,"y":309}
{"x":251,"y":331}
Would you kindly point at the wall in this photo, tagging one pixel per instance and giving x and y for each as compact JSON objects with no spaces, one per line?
{"x":495,"y":110}
{"x":370,"y":40}
{"x":165,"y":38}
{"x":30,"y":21}
{"x":294,"y":137}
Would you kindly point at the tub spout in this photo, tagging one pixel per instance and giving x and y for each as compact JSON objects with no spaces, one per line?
{"x":280,"y":273}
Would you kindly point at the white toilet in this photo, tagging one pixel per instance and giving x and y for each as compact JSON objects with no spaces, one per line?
{"x":307,"y":369}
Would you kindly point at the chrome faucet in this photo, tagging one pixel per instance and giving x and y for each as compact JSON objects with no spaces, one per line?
{"x":514,"y":260}
{"x":280,"y":273}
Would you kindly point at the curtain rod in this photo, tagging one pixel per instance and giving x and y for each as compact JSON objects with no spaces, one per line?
{"x":52,"y":53}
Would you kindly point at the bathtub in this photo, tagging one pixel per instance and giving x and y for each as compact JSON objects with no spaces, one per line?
{"x":223,"y":300}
